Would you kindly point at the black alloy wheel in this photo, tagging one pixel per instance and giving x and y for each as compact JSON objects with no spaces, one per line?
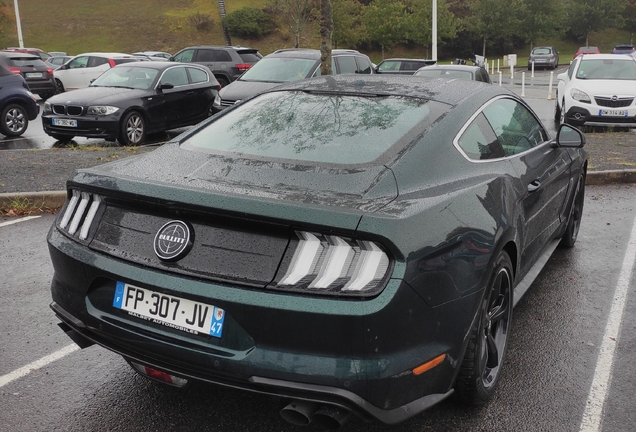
{"x":482,"y":364}
{"x":132,"y":130}
{"x":574,"y":221}
{"x":14,"y":120}
{"x":60,"y":86}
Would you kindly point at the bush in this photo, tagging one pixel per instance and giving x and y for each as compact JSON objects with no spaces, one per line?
{"x":248,"y":22}
{"x":201,"y":22}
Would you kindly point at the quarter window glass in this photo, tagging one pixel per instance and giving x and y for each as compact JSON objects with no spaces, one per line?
{"x":571,"y":69}
{"x":205,"y":56}
{"x":175,"y":76}
{"x":389,"y":66}
{"x":223,"y":56}
{"x":479,"y":142}
{"x":197,"y":75}
{"x":97,"y":61}
{"x":185,"y":56}
{"x":346,"y":65}
{"x":516,"y":128}
{"x":410,"y":66}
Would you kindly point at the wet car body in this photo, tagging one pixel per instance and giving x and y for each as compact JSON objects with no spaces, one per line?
{"x":441,"y":230}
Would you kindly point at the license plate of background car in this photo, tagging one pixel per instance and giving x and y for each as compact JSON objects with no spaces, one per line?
{"x":64,"y":122}
{"x":613,"y":113}
{"x":175,"y":312}
{"x":34,"y":74}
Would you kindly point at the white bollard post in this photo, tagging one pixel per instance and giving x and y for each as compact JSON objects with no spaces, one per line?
{"x":523,"y":84}
{"x":497,"y":65}
{"x":550,"y":86}
{"x":500,"y":74}
{"x":532,"y":76}
{"x":512,"y":72}
{"x":492,"y":66}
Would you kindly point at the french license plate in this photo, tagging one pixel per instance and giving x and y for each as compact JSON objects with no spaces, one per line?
{"x":612,"y":113}
{"x":64,"y":122}
{"x":182,"y":314}
{"x":34,"y":74}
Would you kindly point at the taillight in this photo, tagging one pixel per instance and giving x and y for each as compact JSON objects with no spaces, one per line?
{"x":112,"y":63}
{"x":327,"y":264}
{"x":80,"y":213}
{"x":243,"y":66}
{"x":14,"y":70}
{"x":49,"y":71}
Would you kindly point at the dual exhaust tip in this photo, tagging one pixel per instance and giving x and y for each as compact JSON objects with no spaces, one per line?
{"x":301,"y":413}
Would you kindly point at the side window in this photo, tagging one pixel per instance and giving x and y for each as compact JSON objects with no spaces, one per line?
{"x":364,"y":65}
{"x":97,"y":61}
{"x":197,"y":75}
{"x":184,"y":56}
{"x":176,"y":76}
{"x":389,"y":66}
{"x":346,"y":64}
{"x":479,"y":142}
{"x":205,"y":55}
{"x":410,"y":66}
{"x":516,"y":128}
{"x":78,"y":62}
{"x":222,"y":56}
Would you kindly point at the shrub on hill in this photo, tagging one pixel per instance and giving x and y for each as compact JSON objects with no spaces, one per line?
{"x":248,"y":22}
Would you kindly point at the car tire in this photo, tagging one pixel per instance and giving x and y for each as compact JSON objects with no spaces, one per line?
{"x":576,"y":212}
{"x":15,"y":120}
{"x":223,"y":81}
{"x":562,"y":115}
{"x":557,"y":109}
{"x":482,"y":364}
{"x":62,"y":138}
{"x":132,"y":129}
{"x":60,"y":86}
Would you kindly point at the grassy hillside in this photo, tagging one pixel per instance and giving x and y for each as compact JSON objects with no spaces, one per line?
{"x":136,"y":25}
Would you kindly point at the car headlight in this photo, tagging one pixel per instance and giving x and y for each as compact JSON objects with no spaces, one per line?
{"x":580,"y":96}
{"x":327,"y":264}
{"x":47,"y":107}
{"x":101,"y":110}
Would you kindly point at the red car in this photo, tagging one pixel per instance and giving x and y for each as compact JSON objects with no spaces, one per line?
{"x":586,"y":50}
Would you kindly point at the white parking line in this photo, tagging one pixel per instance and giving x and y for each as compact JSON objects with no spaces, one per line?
{"x":592,"y":416}
{"x":24,"y":219}
{"x":19,"y":373}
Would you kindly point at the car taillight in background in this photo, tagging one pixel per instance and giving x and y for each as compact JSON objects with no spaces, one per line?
{"x":112,"y":63}
{"x":49,"y":71}
{"x":15,"y":70}
{"x":243,"y":66}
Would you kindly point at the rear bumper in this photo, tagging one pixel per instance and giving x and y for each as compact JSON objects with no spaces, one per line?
{"x":358,"y":355}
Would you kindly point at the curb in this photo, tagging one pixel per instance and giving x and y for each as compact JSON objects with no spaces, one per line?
{"x":50,"y":200}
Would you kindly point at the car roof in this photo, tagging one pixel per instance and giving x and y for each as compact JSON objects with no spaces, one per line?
{"x":606,"y":56}
{"x":471,"y":68}
{"x":19,"y":54}
{"x":104,"y":54}
{"x":310,"y":53}
{"x":156,"y":64}
{"x":237,"y":47}
{"x":623,"y":46}
{"x":446,"y":91}
{"x":404,"y":59}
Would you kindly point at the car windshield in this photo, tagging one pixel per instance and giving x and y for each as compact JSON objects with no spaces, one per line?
{"x":280,"y":69}
{"x":619,"y":69}
{"x":323,"y":128}
{"x":541,"y":51}
{"x":445,"y":73}
{"x":127,"y":77}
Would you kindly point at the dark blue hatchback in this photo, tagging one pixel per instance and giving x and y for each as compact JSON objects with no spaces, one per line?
{"x":17,"y":104}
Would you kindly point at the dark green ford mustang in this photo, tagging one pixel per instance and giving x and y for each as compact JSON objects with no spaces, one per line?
{"x":350,"y":244}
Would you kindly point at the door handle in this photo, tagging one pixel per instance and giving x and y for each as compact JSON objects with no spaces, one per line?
{"x":533,"y":186}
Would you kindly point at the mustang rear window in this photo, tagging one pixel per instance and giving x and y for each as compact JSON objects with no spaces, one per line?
{"x":323,"y":128}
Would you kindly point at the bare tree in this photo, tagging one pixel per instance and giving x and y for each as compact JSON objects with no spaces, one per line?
{"x":295,"y":14}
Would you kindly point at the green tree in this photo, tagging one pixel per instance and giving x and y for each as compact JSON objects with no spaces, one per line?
{"x":541,"y":19}
{"x":585,"y":16}
{"x":419,"y":23}
{"x":385,"y":23}
{"x":248,"y":22}
{"x":348,"y":28}
{"x":495,"y":20}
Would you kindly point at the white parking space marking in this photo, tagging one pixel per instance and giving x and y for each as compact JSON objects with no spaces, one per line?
{"x":603,"y":372}
{"x":23,"y":371}
{"x":24,"y":219}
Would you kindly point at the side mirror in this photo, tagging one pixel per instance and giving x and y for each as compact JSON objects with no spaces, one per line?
{"x":166,"y":86}
{"x":569,"y":136}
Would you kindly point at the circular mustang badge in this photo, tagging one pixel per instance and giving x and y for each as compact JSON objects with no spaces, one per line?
{"x":173,"y":241}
